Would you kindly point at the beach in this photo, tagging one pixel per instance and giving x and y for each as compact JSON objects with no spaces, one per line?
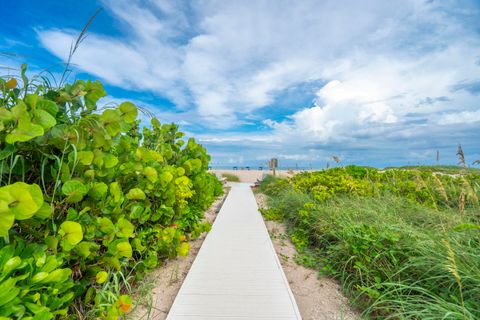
{"x":254,"y":175}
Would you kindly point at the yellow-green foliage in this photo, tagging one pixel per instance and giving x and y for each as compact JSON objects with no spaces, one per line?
{"x":400,"y":241}
{"x":231,"y":177}
{"x":85,"y":195}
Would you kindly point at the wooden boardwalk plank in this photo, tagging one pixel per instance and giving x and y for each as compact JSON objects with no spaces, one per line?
{"x":236,"y":274}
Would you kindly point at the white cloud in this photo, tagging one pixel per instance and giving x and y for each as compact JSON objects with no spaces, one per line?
{"x":222,"y":61}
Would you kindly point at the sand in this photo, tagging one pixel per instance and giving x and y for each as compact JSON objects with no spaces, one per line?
{"x":254,"y":175}
{"x":318,"y":297}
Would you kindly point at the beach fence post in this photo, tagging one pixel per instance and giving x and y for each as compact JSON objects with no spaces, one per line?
{"x":273,"y":164}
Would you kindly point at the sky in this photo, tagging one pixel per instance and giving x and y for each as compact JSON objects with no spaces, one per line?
{"x":372,"y":82}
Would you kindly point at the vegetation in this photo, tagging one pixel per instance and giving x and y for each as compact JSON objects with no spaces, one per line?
{"x":89,"y":201}
{"x":231,"y":177}
{"x":404,"y":243}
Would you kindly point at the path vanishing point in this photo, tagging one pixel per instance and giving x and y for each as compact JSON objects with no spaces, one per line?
{"x":236,"y":274}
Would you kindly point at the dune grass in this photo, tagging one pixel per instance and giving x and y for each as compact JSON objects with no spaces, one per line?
{"x":396,"y":257}
{"x":231,"y":177}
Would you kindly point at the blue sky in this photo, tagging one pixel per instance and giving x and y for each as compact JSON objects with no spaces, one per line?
{"x":373,"y":82}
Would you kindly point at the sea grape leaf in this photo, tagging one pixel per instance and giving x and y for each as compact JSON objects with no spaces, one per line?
{"x":124,"y":303}
{"x":165,"y":178}
{"x":129,"y":112}
{"x":95,"y":91}
{"x":151,"y":174}
{"x":135,"y":194}
{"x":31,"y":100}
{"x":183,"y":249}
{"x":71,"y":231}
{"x":11,"y":83}
{"x":44,"y":119}
{"x":74,"y":190}
{"x":24,"y":131}
{"x":48,"y":105}
{"x":98,"y":190}
{"x":125,"y":228}
{"x":11,"y":265}
{"x":111,"y":116}
{"x":155,"y":123}
{"x":106,"y":225}
{"x":44,"y":212}
{"x":20,"y":199}
{"x":6,"y":115}
{"x":124,"y":249}
{"x":180,"y":171}
{"x":85,"y":157}
{"x":101,"y":277}
{"x":110,"y":160}
{"x":116,"y":192}
{"x":113,"y":129}
{"x":84,"y":248}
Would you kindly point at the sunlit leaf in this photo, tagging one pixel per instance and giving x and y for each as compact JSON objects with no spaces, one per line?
{"x":71,"y":231}
{"x":135,"y":194}
{"x":124,"y":228}
{"x":98,"y":190}
{"x":129,"y":112}
{"x":74,"y":190}
{"x":44,"y":119}
{"x":151,"y":174}
{"x":85,"y":157}
{"x":124,"y":249}
{"x":101,"y":277}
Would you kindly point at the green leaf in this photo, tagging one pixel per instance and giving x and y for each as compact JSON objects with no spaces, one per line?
{"x":110,"y":161}
{"x":165,"y":178}
{"x":106,"y":225}
{"x":11,"y":265}
{"x":98,"y":191}
{"x":129,"y":112}
{"x":85,"y":157}
{"x":71,"y":231}
{"x":183,"y":249}
{"x":95,"y":91}
{"x":20,"y":200}
{"x":101,"y":277}
{"x":74,"y":190}
{"x":151,"y":174}
{"x":124,"y":228}
{"x":124,"y":249}
{"x":135,"y":194}
{"x":48,"y":105}
{"x":116,"y":192}
{"x":85,"y":248}
{"x":44,"y":119}
{"x":44,"y":212}
{"x":7,"y":151}
{"x":111,"y":116}
{"x":6,"y":115}
{"x":25,"y":131}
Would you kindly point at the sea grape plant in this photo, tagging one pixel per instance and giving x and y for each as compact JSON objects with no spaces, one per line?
{"x":91,"y":189}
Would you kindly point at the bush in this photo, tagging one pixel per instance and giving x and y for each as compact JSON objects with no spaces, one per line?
{"x":88,"y":194}
{"x":231,"y":177}
{"x":400,"y":248}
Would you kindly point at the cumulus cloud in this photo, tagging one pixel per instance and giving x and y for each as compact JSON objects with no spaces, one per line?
{"x":222,"y":62}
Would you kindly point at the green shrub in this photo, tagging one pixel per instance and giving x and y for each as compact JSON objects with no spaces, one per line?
{"x":89,"y":189}
{"x":231,"y":177}
{"x":402,"y":247}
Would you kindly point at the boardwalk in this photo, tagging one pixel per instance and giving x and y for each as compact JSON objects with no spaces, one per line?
{"x":236,"y":274}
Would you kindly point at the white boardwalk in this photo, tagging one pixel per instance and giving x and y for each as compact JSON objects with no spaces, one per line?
{"x":236,"y":274}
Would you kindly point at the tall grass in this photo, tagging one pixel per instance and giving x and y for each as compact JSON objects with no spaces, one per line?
{"x":396,"y":258}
